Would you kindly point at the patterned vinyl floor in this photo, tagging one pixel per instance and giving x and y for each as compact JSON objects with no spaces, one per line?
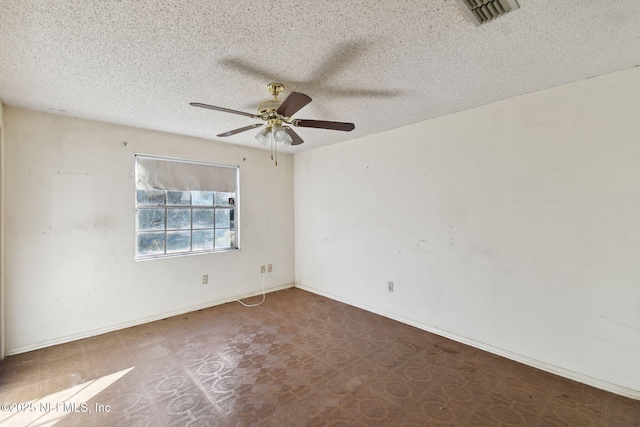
{"x":298,"y":360}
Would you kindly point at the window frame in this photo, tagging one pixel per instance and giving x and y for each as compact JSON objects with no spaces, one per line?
{"x":166,"y":206}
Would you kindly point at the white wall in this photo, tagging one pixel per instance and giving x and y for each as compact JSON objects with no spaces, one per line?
{"x":70,"y":269}
{"x":2,"y":180}
{"x":514,"y":226}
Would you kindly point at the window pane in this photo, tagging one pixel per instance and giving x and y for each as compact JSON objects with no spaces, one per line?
{"x":202,"y":198}
{"x":223,"y":218}
{"x":178,"y":197}
{"x":202,"y":240}
{"x":222,"y":199}
{"x":178,"y":218}
{"x":178,"y":241}
{"x":150,"y":243}
{"x":150,"y":219}
{"x":223,"y":238}
{"x":150,"y":197}
{"x":203,"y":218}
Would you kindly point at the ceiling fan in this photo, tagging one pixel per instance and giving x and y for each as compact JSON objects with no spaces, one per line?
{"x":278,"y":114}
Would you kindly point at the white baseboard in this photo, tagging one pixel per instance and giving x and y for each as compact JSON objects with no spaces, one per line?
{"x":566,"y":373}
{"x":94,"y":332}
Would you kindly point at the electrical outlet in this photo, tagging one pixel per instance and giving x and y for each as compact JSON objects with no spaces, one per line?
{"x":262,"y":269}
{"x":269,"y":268}
{"x":390,"y":286}
{"x":205,"y":279}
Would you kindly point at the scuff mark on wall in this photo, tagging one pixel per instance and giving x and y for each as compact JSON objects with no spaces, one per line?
{"x":327,"y":240}
{"x":422,"y":246}
{"x":635,"y":328}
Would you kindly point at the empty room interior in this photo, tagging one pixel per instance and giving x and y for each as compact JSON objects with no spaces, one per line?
{"x":320,"y":213}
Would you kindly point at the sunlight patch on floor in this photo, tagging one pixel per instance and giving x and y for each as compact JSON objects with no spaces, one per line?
{"x":47,"y":411}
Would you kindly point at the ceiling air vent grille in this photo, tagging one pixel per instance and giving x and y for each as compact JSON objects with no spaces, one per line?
{"x":483,"y":11}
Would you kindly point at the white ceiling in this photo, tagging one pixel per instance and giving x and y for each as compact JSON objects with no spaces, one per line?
{"x":379,"y":64}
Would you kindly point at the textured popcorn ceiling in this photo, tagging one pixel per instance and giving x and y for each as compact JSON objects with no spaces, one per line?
{"x":378,"y":64}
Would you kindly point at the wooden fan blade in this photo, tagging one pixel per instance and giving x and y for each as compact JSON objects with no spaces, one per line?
{"x":296,"y":138}
{"x":226,"y":110}
{"x":233,"y":132}
{"x":321,"y":124}
{"x":294,"y":102}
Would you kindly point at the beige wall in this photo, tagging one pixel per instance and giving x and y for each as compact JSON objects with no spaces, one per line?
{"x":70,"y":269}
{"x":514,"y":227}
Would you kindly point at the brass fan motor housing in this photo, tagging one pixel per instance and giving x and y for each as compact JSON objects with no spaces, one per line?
{"x":267,"y":109}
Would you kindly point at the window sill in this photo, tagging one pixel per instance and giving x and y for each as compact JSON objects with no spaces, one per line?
{"x":185,"y":254}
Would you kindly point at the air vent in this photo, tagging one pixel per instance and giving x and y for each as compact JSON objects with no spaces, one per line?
{"x":484,"y":11}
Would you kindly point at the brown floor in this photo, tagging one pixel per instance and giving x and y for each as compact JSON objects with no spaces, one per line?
{"x":297,"y":360}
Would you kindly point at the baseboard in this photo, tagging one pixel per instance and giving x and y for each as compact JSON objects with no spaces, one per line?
{"x":124,"y":325}
{"x":566,"y":373}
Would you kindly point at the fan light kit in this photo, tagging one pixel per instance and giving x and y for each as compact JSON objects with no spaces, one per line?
{"x":278,"y":114}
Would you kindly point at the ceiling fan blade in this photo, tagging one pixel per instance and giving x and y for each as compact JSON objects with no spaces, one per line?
{"x":226,"y":110}
{"x":321,"y":124}
{"x":296,"y":138}
{"x":292,"y":104}
{"x":235,"y":131}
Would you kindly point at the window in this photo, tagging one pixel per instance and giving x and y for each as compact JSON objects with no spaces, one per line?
{"x":184,"y":207}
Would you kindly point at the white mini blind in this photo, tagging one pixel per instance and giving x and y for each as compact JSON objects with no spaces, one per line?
{"x":158,"y":173}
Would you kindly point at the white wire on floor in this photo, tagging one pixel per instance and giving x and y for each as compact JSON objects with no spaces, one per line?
{"x":263,"y":296}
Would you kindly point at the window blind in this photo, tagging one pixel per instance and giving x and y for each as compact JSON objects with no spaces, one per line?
{"x":158,"y":173}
